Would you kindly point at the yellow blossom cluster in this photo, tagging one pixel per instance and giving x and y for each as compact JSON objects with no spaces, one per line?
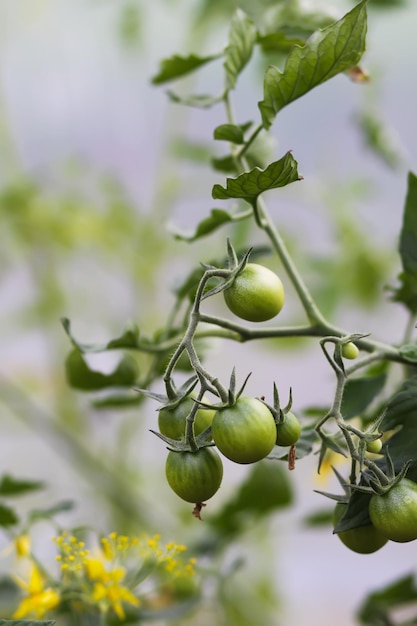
{"x":106,"y":577}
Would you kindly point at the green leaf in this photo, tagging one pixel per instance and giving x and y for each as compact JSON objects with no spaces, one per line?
{"x":360,"y":392}
{"x":242,"y":37}
{"x":10,"y":486}
{"x":250,"y":185}
{"x":323,"y":517}
{"x":118,"y":400}
{"x":375,"y":611}
{"x":401,"y":414}
{"x":59,"y":507}
{"x":407,"y":293}
{"x":81,"y":376}
{"x":327,"y":53}
{"x":409,"y":352}
{"x":217,"y":218}
{"x":356,"y":514}
{"x":229,"y":132}
{"x":7,"y":516}
{"x":280,"y":42}
{"x":177,"y":66}
{"x":128,"y":339}
{"x":26,"y":622}
{"x":226,"y":164}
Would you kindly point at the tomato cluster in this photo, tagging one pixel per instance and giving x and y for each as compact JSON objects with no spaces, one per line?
{"x":244,"y":432}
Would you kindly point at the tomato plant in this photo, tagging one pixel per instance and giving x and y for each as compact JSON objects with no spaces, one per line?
{"x":172,"y":421}
{"x":244,"y":432}
{"x":194,"y":476}
{"x":288,"y":431}
{"x":363,"y":539}
{"x":256,"y":295}
{"x":394,"y":513}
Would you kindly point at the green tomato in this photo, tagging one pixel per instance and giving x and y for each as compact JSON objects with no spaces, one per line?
{"x":394,"y":513}
{"x":244,"y":432}
{"x":364,"y":539}
{"x":172,"y":422}
{"x":374,"y":446}
{"x":194,"y":476}
{"x":256,"y":295}
{"x":289,"y":431}
{"x":350,"y":351}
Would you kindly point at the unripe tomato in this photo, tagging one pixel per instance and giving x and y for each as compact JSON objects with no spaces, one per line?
{"x":350,"y":351}
{"x":194,"y":476}
{"x":394,"y":513}
{"x":256,"y":295}
{"x":244,"y":432}
{"x":172,"y":422}
{"x":364,"y":539}
{"x":289,"y":431}
{"x":374,"y":446}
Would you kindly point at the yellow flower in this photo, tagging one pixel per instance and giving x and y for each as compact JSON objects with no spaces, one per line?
{"x":39,"y":600}
{"x":107,"y":590}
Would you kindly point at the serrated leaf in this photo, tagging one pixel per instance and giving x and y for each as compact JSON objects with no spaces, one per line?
{"x":249,"y":185}
{"x":10,"y":486}
{"x":360,"y":392}
{"x":178,"y":66}
{"x":128,"y":339}
{"x":407,"y":293}
{"x":81,"y":376}
{"x":203,"y":101}
{"x":7,"y":516}
{"x":229,"y":132}
{"x":242,"y":37}
{"x":327,"y":52}
{"x":217,"y":218}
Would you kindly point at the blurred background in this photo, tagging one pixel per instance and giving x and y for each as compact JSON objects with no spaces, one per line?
{"x":97,"y":169}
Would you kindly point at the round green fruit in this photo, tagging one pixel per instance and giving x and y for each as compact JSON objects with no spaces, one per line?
{"x":172,"y":422}
{"x":244,"y":432}
{"x":364,"y":539}
{"x":394,"y":513}
{"x":256,"y":295}
{"x":350,"y":351}
{"x":288,"y":433}
{"x":374,"y":446}
{"x":194,"y":476}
